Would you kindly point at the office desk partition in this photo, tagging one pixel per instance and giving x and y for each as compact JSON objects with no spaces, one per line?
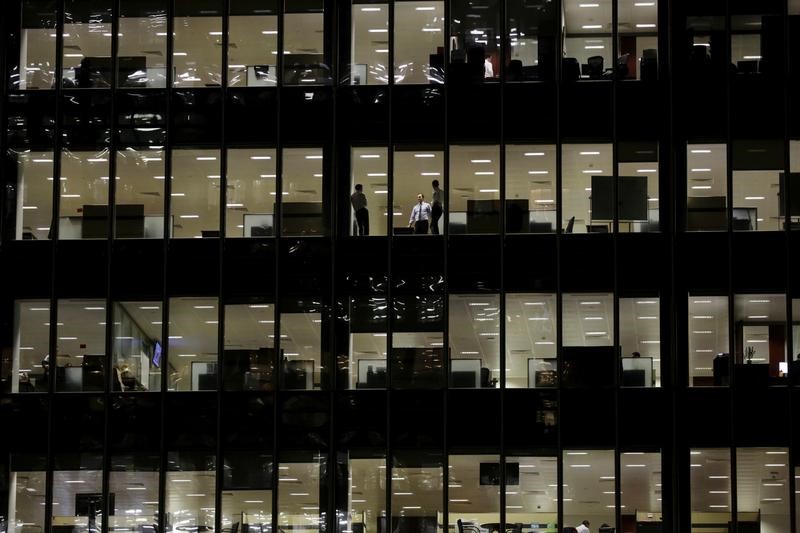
{"x":637,"y":372}
{"x":465,"y":373}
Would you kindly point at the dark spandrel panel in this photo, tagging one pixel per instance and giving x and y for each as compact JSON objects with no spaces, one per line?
{"x":141,"y":118}
{"x":28,"y":417}
{"x":415,"y":313}
{"x":768,"y":274}
{"x":247,"y":470}
{"x":531,"y":418}
{"x":361,"y":419}
{"x":193,"y":266}
{"x":643,"y":263}
{"x":196,"y":116}
{"x":761,"y":417}
{"x":463,"y":408}
{"x":417,"y":264}
{"x":249,"y":268}
{"x":587,"y":418}
{"x":529,"y":111}
{"x":757,"y":107}
{"x":367,"y":112}
{"x":473,"y":263}
{"x":417,"y":419}
{"x":587,"y":262}
{"x":81,"y":268}
{"x":254,"y":7}
{"x":530,"y":263}
{"x":305,"y":266}
{"x":251,"y":116}
{"x":362,"y":265}
{"x":581,"y":100}
{"x":198,"y":8}
{"x":86,"y":119}
{"x":80,"y":420}
{"x":638,"y":411}
{"x":25,"y":269}
{"x":482,"y":122}
{"x":710,"y":274}
{"x":191,"y":420}
{"x":639,"y":110}
{"x":709,"y":425}
{"x":304,"y":421}
{"x":306,"y":115}
{"x":418,"y":114}
{"x":31,"y":119}
{"x":248,"y":421}
{"x":137,"y":269}
{"x":135,"y":422}
{"x":701,"y":112}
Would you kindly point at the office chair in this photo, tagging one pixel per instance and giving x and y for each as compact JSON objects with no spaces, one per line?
{"x":570,"y":529}
{"x":595,"y":67}
{"x":648,"y":65}
{"x":514,"y":70}
{"x":622,"y":67}
{"x":570,"y":69}
{"x":570,"y":225}
{"x":467,"y":528}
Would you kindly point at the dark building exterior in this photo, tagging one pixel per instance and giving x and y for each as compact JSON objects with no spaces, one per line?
{"x":218,"y":312}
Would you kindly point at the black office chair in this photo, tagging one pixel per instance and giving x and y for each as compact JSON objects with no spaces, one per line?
{"x":514,"y":70}
{"x":648,"y":65}
{"x":570,"y":225}
{"x":467,"y":528}
{"x":570,"y":529}
{"x":570,"y":69}
{"x":595,"y":67}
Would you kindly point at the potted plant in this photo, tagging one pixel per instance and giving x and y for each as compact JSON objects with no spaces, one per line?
{"x":749,"y":352}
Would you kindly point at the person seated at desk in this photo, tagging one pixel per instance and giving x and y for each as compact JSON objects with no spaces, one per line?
{"x":124,"y":380}
{"x":420,"y":215}
{"x":583,"y":527}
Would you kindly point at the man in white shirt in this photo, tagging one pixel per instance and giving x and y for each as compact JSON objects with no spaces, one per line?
{"x":420,"y":215}
{"x":583,"y":527}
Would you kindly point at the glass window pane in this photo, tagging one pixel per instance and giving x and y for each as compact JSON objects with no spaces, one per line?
{"x":197,"y":55}
{"x":252,"y":44}
{"x":137,"y":348}
{"x":300,"y":503}
{"x":248,"y":362}
{"x":140,"y":194}
{"x":757,"y":181}
{"x":794,"y":365}
{"x":418,"y":342}
{"x":34,"y":194}
{"x":530,"y":188}
{"x":761,"y":339}
{"x":247,"y":493}
{"x":534,"y":498}
{"x":87,"y":59}
{"x":589,"y":487}
{"x":417,"y":491}
{"x":640,"y":486}
{"x":710,"y":485}
{"x":762,"y":488}
{"x":250,"y":195}
{"x":419,"y":42}
{"x":531,"y":340}
{"x":192,"y":344}
{"x":531,"y":40}
{"x":587,"y":38}
{"x":195,"y":193}
{"x":474,"y":340}
{"x":474,"y":190}
{"x":370,"y":45}
{"x":142,"y":45}
{"x":133,"y":481}
{"x":369,"y":172}
{"x":189,"y":492}
{"x":301,"y":344}
{"x":585,"y":166}
{"x":793,"y":185}
{"x":81,"y":345}
{"x":78,"y":493}
{"x":588,"y":319}
{"x":303,"y":181}
{"x":474,"y":41}
{"x":83,"y":187}
{"x":637,"y":187}
{"x":366,"y":494}
{"x":414,"y":174}
{"x":26,"y":492}
{"x":637,"y":40}
{"x":640,"y":341}
{"x":368,"y":342}
{"x":35,"y":67}
{"x":707,"y":187}
{"x":304,"y":44}
{"x":31,"y":346}
{"x":709,"y":356}
{"x":474,"y":491}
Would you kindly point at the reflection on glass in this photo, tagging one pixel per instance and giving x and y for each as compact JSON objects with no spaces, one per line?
{"x":637,"y":187}
{"x":134,"y":483}
{"x":640,"y":341}
{"x":301,"y":344}
{"x":417,"y":491}
{"x":531,"y":40}
{"x":29,"y":363}
{"x":304,"y":44}
{"x":142,"y":53}
{"x":34,"y":195}
{"x":533,"y":499}
{"x":247,"y":493}
{"x":302,"y":209}
{"x":195,"y":193}
{"x":474,"y":190}
{"x":707,"y":187}
{"x":197,"y":40}
{"x":81,"y":345}
{"x":299,"y":493}
{"x":587,"y":49}
{"x":189,"y":493}
{"x":418,"y":342}
{"x":589,"y":487}
{"x":640,"y":486}
{"x":83,"y":190}
{"x":252,"y":44}
{"x":710,"y":484}
{"x":474,"y":340}
{"x":248,"y":362}
{"x":758,"y":181}
{"x":474,"y":490}
{"x":474,"y":41}
{"x":78,"y":493}
{"x":585,"y":166}
{"x":370,"y":45}
{"x":250,"y":195}
{"x":86,"y":61}
{"x":140,"y":194}
{"x":762,"y":488}
{"x":367,"y":355}
{"x":36,"y":65}
{"x":588,"y":319}
{"x":192,"y":345}
{"x":366,"y":494}
{"x":419,"y":42}
{"x":414,"y":173}
{"x":531,"y":340}
{"x":752,"y":38}
{"x":637,"y":43}
{"x":27,"y":484}
{"x":137,"y":356}
{"x":530,"y":188}
{"x":709,"y":354}
{"x":369,"y":170}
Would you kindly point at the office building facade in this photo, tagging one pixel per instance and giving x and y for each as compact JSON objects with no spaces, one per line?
{"x":207,"y":326}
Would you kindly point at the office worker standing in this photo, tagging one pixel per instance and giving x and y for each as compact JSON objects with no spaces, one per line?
{"x":436,"y":208}
{"x":420,"y":215}
{"x":583,"y":527}
{"x":359,"y":202}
